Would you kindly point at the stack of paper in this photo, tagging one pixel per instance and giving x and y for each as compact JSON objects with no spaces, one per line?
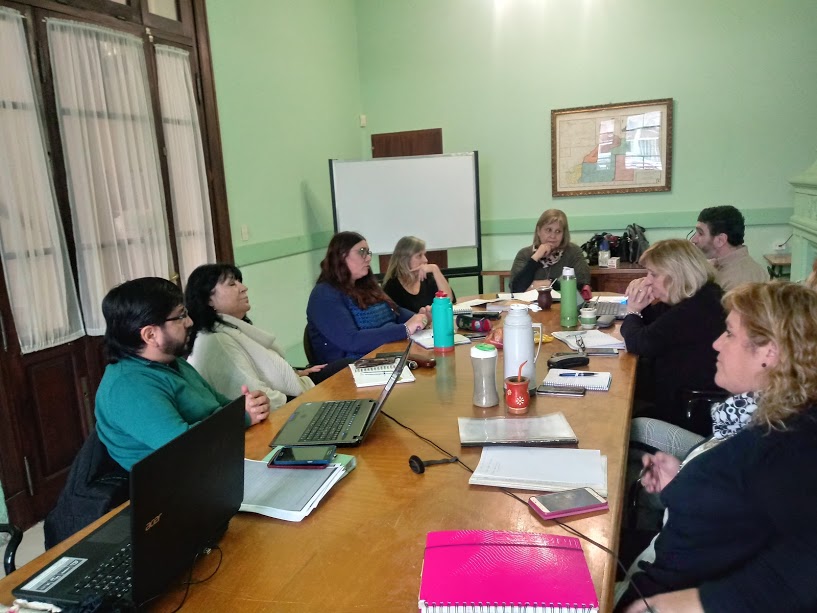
{"x":425,"y":338}
{"x":591,"y":338}
{"x":550,"y":429}
{"x":529,"y":296}
{"x":541,"y":469}
{"x":378,"y":375}
{"x":289,"y":493}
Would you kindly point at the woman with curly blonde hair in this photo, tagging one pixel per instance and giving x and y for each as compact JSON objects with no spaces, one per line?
{"x":739,"y":528}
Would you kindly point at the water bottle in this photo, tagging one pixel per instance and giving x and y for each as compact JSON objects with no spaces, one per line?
{"x":567,"y":288}
{"x":518,"y":343}
{"x":442,"y":323}
{"x":483,"y":360}
{"x":604,"y":253}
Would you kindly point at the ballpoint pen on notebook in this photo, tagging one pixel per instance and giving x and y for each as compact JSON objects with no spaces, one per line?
{"x":577,"y":374}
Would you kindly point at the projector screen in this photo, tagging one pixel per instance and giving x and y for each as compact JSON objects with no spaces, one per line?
{"x":432,"y":197}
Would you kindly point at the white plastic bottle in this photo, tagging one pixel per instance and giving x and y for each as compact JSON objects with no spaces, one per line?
{"x":483,"y":361}
{"x":604,"y":253}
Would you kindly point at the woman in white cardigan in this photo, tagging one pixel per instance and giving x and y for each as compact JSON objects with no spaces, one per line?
{"x":228,"y":351}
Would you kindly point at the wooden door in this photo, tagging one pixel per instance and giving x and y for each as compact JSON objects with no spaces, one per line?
{"x":46,"y":408}
{"x":413,"y":142}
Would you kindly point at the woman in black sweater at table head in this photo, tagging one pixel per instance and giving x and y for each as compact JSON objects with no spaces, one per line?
{"x":543,"y":261}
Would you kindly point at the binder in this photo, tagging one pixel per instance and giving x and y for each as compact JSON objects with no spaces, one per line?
{"x":599,"y":382}
{"x":504,"y":570}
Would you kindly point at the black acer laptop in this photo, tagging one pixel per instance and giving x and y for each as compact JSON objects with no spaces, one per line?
{"x":344,"y":423}
{"x":181,"y":498}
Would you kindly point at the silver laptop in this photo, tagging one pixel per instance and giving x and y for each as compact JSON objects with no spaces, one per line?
{"x":182,"y":497}
{"x":337,"y":422}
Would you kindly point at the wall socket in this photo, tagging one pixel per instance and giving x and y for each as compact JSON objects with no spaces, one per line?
{"x":245,"y":232}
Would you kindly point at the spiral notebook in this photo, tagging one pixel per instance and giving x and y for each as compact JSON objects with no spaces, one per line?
{"x":378,"y":375}
{"x":595,"y":381}
{"x":472,"y":568}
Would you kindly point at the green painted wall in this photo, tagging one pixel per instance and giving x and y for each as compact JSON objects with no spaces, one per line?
{"x":288,"y":95}
{"x":292,"y":79}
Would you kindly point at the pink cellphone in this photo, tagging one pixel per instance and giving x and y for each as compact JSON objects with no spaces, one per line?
{"x":569,"y":502}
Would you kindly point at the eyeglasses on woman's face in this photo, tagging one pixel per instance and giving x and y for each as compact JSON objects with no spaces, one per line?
{"x":180,"y":317}
{"x":551,"y":231}
{"x":364,"y":252}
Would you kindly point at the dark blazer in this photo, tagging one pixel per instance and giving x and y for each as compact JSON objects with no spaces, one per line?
{"x":96,"y":484}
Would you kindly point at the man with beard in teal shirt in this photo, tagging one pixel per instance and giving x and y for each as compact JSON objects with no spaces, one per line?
{"x":149,"y":395}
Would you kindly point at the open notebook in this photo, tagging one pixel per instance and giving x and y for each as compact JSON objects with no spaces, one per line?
{"x":596,"y":381}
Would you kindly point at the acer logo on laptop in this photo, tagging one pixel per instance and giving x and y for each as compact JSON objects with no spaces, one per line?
{"x":153,"y":522}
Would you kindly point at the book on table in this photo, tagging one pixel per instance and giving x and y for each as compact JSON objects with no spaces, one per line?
{"x":289,"y":493}
{"x":542,"y":469}
{"x":551,"y":429}
{"x":488,"y":570}
{"x":589,"y":380}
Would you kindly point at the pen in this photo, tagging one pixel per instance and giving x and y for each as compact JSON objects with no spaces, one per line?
{"x":577,"y":374}
{"x":644,"y":470}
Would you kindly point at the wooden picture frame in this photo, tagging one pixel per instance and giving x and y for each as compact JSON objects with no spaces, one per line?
{"x":612,"y":149}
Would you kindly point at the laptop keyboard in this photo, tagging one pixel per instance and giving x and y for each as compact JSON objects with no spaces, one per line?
{"x":111,"y":578}
{"x":334,"y":418}
{"x":617,"y":309}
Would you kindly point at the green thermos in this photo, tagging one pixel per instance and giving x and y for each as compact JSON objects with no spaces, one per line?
{"x":567,"y":288}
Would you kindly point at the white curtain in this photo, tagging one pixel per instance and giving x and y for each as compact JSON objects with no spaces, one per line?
{"x":111,"y":160}
{"x":185,"y":159}
{"x":35,"y":262}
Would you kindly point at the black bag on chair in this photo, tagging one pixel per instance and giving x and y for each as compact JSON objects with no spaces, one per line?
{"x":590,"y":249}
{"x":637,"y":243}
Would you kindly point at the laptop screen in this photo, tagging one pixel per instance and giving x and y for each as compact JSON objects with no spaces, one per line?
{"x":384,"y":394}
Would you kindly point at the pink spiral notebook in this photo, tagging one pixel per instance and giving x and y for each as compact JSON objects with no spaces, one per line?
{"x":474,"y":568}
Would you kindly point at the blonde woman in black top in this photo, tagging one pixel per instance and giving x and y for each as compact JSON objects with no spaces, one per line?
{"x":410,"y":280}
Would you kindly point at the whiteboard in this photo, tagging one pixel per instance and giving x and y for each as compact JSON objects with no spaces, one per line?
{"x":432,"y":197}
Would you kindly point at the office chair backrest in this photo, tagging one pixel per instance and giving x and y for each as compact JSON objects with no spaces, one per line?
{"x":308,"y":350}
{"x":15,"y":537}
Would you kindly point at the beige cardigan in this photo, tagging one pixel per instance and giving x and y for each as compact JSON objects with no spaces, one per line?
{"x":231,"y":357}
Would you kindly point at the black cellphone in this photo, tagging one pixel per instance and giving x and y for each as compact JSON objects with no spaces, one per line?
{"x":559,"y":390}
{"x":568,"y":360}
{"x":303,"y":455}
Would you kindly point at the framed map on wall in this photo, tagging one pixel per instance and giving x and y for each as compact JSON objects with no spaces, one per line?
{"x":612,"y":149}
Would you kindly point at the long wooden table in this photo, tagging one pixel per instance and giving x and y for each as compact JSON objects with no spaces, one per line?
{"x":362,"y":549}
